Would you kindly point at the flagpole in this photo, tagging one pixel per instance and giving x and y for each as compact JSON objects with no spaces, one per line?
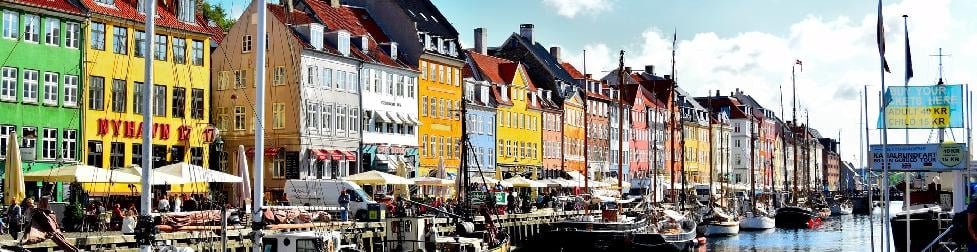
{"x":880,"y":38}
{"x":906,"y":175}
{"x":865,"y":171}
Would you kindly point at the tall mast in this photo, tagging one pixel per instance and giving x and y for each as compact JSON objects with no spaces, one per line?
{"x":620,"y":120}
{"x":793,"y":81}
{"x":711,"y":152}
{"x":753,"y":140}
{"x":145,"y":218}
{"x":259,"y":133}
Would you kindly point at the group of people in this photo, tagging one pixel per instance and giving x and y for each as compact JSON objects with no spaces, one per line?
{"x":96,"y":209}
{"x":182,"y":203}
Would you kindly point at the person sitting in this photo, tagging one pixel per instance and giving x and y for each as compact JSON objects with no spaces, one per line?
{"x":117,"y":216}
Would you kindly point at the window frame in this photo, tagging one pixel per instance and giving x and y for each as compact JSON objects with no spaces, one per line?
{"x":97,"y":36}
{"x":161,"y":44}
{"x":51,"y":92}
{"x":120,"y":40}
{"x":26,"y":82}
{"x":14,"y":31}
{"x":32,"y":29}
{"x":120,"y":96}
{"x":49,"y":144}
{"x":8,"y":83}
{"x":179,"y":50}
{"x":52,"y":34}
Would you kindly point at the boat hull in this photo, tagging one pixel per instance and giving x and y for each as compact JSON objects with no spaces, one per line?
{"x":711,"y":229}
{"x":757,"y":223}
{"x":840,"y":210}
{"x":925,"y":226}
{"x":795,"y":217}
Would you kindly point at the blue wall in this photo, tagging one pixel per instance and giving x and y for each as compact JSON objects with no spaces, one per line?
{"x":481,"y":128}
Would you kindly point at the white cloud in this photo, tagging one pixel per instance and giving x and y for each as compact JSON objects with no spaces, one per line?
{"x":839,"y":54}
{"x":571,"y":8}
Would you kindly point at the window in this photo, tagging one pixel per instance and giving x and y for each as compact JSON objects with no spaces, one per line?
{"x":327,"y":114}
{"x":137,"y":154}
{"x":29,"y":137}
{"x":354,"y":120}
{"x":52,"y":32}
{"x":450,"y":78}
{"x":340,"y":119}
{"x":95,"y":153}
{"x":197,"y":156}
{"x":72,"y":35}
{"x":239,"y":118}
{"x":51,"y":89}
{"x":69,"y":144}
{"x":410,"y":87}
{"x":222,"y":78}
{"x":30,"y":86}
{"x":279,"y":76}
{"x":137,"y":97}
{"x":423,"y":69}
{"x":341,"y":80}
{"x":159,"y":100}
{"x":311,"y":76}
{"x":120,"y":39}
{"x":117,"y":154}
{"x":49,"y":144}
{"x":140,"y":50}
{"x":278,"y":118}
{"x":278,"y":170}
{"x":197,"y":103}
{"x":441,"y":70}
{"x":197,"y":52}
{"x":161,"y":42}
{"x":312,"y":116}
{"x":423,"y":147}
{"x":32,"y":28}
{"x":222,"y":118}
{"x":246,"y":44}
{"x":98,"y":36}
{"x":179,"y":102}
{"x":424,"y":106}
{"x":326,"y":77}
{"x":119,"y":95}
{"x":8,"y":85}
{"x":240,"y":78}
{"x":390,"y":84}
{"x":11,"y":24}
{"x":179,"y":50}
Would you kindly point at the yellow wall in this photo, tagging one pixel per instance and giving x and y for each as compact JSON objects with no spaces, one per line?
{"x":441,"y":122}
{"x":696,"y":152}
{"x":109,"y":65}
{"x":525,"y":129}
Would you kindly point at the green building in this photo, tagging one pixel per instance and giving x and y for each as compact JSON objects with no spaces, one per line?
{"x":41,"y":58}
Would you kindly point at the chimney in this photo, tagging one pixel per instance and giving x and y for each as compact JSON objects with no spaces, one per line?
{"x":481,"y":35}
{"x":650,"y":69}
{"x":555,"y":51}
{"x":717,"y":92}
{"x":334,"y":3}
{"x":668,"y":77}
{"x":526,"y":31}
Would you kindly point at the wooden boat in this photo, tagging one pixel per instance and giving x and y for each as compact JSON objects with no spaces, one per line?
{"x":796,"y":217}
{"x":718,"y":223}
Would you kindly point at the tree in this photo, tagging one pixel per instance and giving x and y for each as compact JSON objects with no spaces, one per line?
{"x":216,"y":13}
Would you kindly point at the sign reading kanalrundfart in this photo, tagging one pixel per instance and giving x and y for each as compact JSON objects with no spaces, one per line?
{"x":919,"y":157}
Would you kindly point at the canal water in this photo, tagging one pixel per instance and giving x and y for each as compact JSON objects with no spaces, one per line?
{"x":837,"y":233}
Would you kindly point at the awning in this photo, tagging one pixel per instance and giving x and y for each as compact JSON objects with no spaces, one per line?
{"x":335,"y":155}
{"x":413,"y":119}
{"x":320,"y":154}
{"x":269,"y":151}
{"x":394,"y":118}
{"x":381,"y":117}
{"x":349,"y":155}
{"x":382,"y":158}
{"x":404,"y":118}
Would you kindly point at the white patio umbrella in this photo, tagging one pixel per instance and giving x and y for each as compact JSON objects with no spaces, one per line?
{"x":158,"y":178}
{"x":378,"y":178}
{"x":244,"y":188}
{"x":82,"y":174}
{"x":519,"y":181}
{"x":13,"y":181}
{"x":197,"y":174}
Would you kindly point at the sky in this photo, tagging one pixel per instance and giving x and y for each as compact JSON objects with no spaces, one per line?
{"x":750,"y":45}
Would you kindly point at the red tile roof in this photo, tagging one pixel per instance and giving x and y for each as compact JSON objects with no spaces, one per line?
{"x":216,"y":32}
{"x":489,"y":68}
{"x":356,"y":21}
{"x":126,"y":9}
{"x":66,"y":6}
{"x":572,"y":71}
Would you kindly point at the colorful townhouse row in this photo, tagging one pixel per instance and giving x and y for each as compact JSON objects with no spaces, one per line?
{"x":72,"y":76}
{"x":360,"y":85}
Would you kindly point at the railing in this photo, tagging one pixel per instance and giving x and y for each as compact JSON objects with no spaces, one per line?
{"x":943,"y":242}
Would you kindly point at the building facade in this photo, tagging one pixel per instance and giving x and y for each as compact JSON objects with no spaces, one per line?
{"x":39,"y":95}
{"x":429,"y":43}
{"x":113,"y":81}
{"x":552,"y":135}
{"x":598,"y":130}
{"x":480,"y":126}
{"x":574,"y":133}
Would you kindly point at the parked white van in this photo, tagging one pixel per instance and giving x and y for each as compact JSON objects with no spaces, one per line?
{"x":325,"y":192}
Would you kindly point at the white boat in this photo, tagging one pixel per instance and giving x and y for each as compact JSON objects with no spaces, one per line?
{"x":718,"y":223}
{"x":841,"y":209}
{"x":326,"y":241}
{"x":753,"y":221}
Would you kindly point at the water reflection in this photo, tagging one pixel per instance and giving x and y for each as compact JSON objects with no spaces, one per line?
{"x":838,"y":233}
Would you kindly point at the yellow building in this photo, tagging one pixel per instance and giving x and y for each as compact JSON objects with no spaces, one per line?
{"x":113,"y":81}
{"x":518,"y":133}
{"x":439,"y":89}
{"x":695,"y":127}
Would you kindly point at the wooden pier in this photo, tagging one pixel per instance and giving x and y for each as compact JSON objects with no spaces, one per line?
{"x":368,"y":235}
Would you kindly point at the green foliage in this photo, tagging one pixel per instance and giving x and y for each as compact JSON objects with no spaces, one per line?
{"x":73,"y":217}
{"x":216,"y":13}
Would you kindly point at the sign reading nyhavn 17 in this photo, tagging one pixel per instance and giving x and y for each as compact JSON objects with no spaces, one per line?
{"x":132,"y":129}
{"x":919,"y":157}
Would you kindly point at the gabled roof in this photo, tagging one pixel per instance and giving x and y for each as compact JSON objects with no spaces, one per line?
{"x":428,"y":18}
{"x":488,"y":68}
{"x":66,"y":6}
{"x":126,"y":9}
{"x":354,"y":20}
{"x":572,"y":71}
{"x":217,"y":33}
{"x":541,"y":54}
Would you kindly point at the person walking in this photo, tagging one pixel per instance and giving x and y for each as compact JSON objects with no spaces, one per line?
{"x":430,"y":237}
{"x":971,"y":228}
{"x":343,"y":205}
{"x":511,"y":202}
{"x":15,"y":217}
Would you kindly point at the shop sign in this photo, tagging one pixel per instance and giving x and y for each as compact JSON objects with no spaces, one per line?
{"x":133,"y":129}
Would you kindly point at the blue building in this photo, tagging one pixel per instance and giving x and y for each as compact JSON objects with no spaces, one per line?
{"x":480,"y":122}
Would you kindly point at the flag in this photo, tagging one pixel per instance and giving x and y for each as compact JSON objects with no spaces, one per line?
{"x":798,"y":62}
{"x":880,"y":39}
{"x":909,"y":58}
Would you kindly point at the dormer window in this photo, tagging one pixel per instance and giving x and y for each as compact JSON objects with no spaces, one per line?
{"x":505,"y":92}
{"x":186,"y":10}
{"x":315,"y":35}
{"x":343,"y":44}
